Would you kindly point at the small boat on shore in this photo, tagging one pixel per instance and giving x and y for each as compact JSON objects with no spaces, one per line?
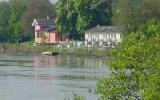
{"x":50,"y":53}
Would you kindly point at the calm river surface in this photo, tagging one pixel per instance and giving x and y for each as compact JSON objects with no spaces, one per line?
{"x":28,"y":77}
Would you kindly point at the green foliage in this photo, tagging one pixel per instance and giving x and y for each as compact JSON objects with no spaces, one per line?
{"x":77,"y":97}
{"x":75,"y":16}
{"x":16,"y":17}
{"x":4,"y":17}
{"x":118,"y":87}
{"x":136,"y":66}
{"x":44,"y":38}
{"x":131,"y":14}
{"x":15,"y":24}
{"x":126,"y":14}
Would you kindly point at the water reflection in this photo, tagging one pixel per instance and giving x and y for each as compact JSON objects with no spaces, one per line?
{"x":48,"y":77}
{"x":66,"y":61}
{"x":45,"y":61}
{"x":68,"y":67}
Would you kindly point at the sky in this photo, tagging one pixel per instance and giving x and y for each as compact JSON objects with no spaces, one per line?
{"x":53,"y":1}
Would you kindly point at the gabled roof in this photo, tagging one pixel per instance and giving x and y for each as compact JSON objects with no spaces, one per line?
{"x":43,"y":22}
{"x":104,"y":29}
{"x":48,"y":29}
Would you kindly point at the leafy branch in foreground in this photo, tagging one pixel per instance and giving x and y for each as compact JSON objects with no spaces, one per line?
{"x":135,"y":67}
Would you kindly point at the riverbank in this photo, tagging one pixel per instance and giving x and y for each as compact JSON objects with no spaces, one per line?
{"x":28,"y":48}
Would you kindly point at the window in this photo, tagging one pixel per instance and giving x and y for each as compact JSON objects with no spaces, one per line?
{"x":40,"y":35}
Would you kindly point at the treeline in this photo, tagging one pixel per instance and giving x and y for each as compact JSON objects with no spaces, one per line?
{"x":74,"y":16}
{"x":131,"y":14}
{"x":16,"y":17}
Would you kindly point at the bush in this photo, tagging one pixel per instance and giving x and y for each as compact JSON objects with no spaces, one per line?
{"x":135,"y":67}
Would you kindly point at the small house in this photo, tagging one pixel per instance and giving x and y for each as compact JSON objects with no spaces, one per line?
{"x":103,"y":35}
{"x":45,"y":31}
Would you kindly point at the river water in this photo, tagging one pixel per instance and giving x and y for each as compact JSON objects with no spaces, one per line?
{"x":38,"y":77}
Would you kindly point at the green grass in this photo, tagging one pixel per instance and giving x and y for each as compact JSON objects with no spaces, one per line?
{"x":76,"y":97}
{"x":28,"y":47}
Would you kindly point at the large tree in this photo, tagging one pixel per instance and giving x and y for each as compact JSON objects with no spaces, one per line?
{"x":4,"y":17}
{"x":126,"y":14}
{"x":130,"y":14}
{"x":66,"y":16}
{"x":15,"y":23}
{"x":75,"y":16}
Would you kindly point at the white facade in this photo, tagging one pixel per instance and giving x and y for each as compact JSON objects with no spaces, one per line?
{"x":116,"y":37}
{"x":104,"y":36}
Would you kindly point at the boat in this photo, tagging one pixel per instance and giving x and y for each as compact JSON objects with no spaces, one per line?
{"x":55,"y":53}
{"x":46,"y":53}
{"x":50,"y":53}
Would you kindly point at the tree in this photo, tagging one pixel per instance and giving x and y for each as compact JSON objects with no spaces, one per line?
{"x":16,"y":17}
{"x":136,"y":66}
{"x":131,"y":14}
{"x":102,"y":12}
{"x":150,"y":9}
{"x":36,"y":9}
{"x":63,"y":16}
{"x":126,"y":14}
{"x":15,"y":24}
{"x":4,"y":17}
{"x":75,"y":16}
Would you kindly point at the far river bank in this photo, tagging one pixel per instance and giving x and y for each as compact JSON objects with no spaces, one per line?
{"x":28,"y":48}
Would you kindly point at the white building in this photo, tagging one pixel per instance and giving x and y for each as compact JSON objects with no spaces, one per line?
{"x":103,"y":35}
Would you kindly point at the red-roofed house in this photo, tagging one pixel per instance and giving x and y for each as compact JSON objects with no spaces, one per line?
{"x":45,"y":31}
